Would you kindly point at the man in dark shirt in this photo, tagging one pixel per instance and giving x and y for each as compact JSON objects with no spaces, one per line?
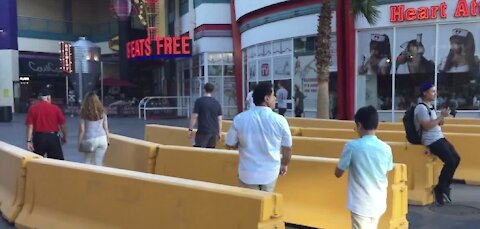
{"x":43,"y":122}
{"x":208,"y":112}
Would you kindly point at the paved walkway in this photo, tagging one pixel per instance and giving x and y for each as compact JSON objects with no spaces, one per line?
{"x":464,"y":214}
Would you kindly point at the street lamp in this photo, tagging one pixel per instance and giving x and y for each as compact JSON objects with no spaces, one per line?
{"x":122,"y":10}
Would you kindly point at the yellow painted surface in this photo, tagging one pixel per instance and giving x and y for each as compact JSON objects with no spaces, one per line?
{"x":398,"y":126}
{"x":312,"y":195}
{"x":131,"y":154}
{"x":13,"y":161}
{"x":66,"y":195}
{"x":465,"y":144}
{"x":422,"y":173}
{"x":463,"y":121}
{"x":167,"y":135}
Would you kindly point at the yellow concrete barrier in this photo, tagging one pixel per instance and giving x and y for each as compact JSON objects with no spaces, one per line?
{"x":468,"y":169}
{"x":396,"y":126}
{"x":463,"y":121}
{"x":167,"y":135}
{"x":63,"y":195}
{"x":307,"y":201}
{"x":226,"y":124}
{"x":131,"y":154}
{"x":422,"y":175}
{"x":13,"y":161}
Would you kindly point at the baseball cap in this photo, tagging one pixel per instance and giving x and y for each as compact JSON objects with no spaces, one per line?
{"x":44,"y":92}
{"x":425,"y":87}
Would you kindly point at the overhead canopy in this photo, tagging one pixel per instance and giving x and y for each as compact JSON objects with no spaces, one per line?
{"x":114,"y":82}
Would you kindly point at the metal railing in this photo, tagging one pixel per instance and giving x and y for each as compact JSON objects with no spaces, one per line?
{"x":178,"y":105}
{"x":48,"y":27}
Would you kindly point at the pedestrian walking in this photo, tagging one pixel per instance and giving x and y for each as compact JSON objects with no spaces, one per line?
{"x":282,"y":95}
{"x":93,"y":133}
{"x":43,"y":122}
{"x":368,"y":159}
{"x":249,"y":99}
{"x":208,"y":112}
{"x":428,"y":125}
{"x":264,"y":141}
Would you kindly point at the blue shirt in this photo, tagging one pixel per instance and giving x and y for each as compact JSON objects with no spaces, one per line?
{"x":259,"y":133}
{"x":368,"y":159}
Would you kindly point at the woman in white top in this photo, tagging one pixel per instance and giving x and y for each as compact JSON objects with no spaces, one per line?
{"x":93,"y":131}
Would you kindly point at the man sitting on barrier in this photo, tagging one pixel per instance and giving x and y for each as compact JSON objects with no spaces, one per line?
{"x":427,"y":123}
{"x":264,"y":141}
{"x":368,"y":159}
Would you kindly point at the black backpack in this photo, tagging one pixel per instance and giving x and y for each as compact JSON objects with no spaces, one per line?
{"x":414,"y":136}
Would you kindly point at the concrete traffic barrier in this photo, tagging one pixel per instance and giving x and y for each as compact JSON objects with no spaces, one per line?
{"x":131,"y":154}
{"x":313,"y":196}
{"x":463,"y":121}
{"x":13,"y":162}
{"x":398,"y":126}
{"x":226,"y":124}
{"x":468,"y":169}
{"x":167,"y":135}
{"x":62,"y":194}
{"x":421,"y":168}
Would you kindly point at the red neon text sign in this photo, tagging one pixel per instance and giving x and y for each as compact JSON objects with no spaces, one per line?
{"x":399,"y":13}
{"x":159,"y":47}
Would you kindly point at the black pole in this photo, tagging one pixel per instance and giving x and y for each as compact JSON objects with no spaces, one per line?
{"x":123,"y":30}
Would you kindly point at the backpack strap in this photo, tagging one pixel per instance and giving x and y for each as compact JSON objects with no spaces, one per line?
{"x":428,"y":109}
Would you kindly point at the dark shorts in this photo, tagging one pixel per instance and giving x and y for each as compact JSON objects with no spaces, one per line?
{"x":206,"y":140}
{"x":49,"y":144}
{"x":282,"y":111}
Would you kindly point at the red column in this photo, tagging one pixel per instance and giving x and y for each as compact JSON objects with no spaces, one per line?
{"x":350,"y":54}
{"x":345,"y":60}
{"x":237,"y":56}
{"x":341,"y":67}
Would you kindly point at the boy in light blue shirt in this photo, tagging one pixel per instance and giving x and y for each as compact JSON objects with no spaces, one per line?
{"x":368,"y":159}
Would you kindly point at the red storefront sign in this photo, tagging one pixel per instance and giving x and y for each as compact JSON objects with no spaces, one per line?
{"x":399,"y":13}
{"x":159,"y":47}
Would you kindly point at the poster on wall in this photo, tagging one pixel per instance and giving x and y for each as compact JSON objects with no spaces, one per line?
{"x":264,"y":69}
{"x":415,"y":50}
{"x":458,"y":67}
{"x":374,"y":63}
{"x":264,"y":50}
{"x":305,"y":78}
{"x":415,"y":64}
{"x":252,"y":71}
{"x":282,"y":67}
{"x":282,"y":47}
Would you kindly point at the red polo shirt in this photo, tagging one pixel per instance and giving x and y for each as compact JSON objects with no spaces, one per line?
{"x":45,"y":117}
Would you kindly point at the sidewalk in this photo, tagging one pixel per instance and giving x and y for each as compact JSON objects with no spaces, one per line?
{"x":464,"y":213}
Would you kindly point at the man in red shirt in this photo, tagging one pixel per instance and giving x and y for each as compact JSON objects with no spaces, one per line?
{"x":43,"y":122}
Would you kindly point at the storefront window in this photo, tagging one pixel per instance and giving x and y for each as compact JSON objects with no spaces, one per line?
{"x":374,"y":79}
{"x":458,"y":71}
{"x":415,"y":55}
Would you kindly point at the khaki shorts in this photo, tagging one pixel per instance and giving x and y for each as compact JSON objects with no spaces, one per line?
{"x":262,"y":187}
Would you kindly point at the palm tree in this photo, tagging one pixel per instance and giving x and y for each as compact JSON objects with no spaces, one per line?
{"x":368,"y":9}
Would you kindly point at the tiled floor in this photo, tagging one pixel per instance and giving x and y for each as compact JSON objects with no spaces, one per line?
{"x":464,"y":214}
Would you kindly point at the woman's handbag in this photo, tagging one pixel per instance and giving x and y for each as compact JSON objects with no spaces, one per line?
{"x":85,"y":146}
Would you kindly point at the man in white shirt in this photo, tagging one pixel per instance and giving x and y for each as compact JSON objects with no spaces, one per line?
{"x":264,"y":141}
{"x":282,"y":95}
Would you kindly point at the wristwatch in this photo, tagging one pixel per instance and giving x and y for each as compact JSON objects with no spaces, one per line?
{"x":190,"y":129}
{"x":29,"y":140}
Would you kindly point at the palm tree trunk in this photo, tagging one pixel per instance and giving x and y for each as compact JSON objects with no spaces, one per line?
{"x":322,"y":56}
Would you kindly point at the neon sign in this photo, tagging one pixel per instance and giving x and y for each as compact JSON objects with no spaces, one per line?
{"x":399,"y":13}
{"x":159,"y":47}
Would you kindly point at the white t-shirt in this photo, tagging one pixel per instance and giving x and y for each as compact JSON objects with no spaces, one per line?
{"x":251,"y":104}
{"x":259,"y":133}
